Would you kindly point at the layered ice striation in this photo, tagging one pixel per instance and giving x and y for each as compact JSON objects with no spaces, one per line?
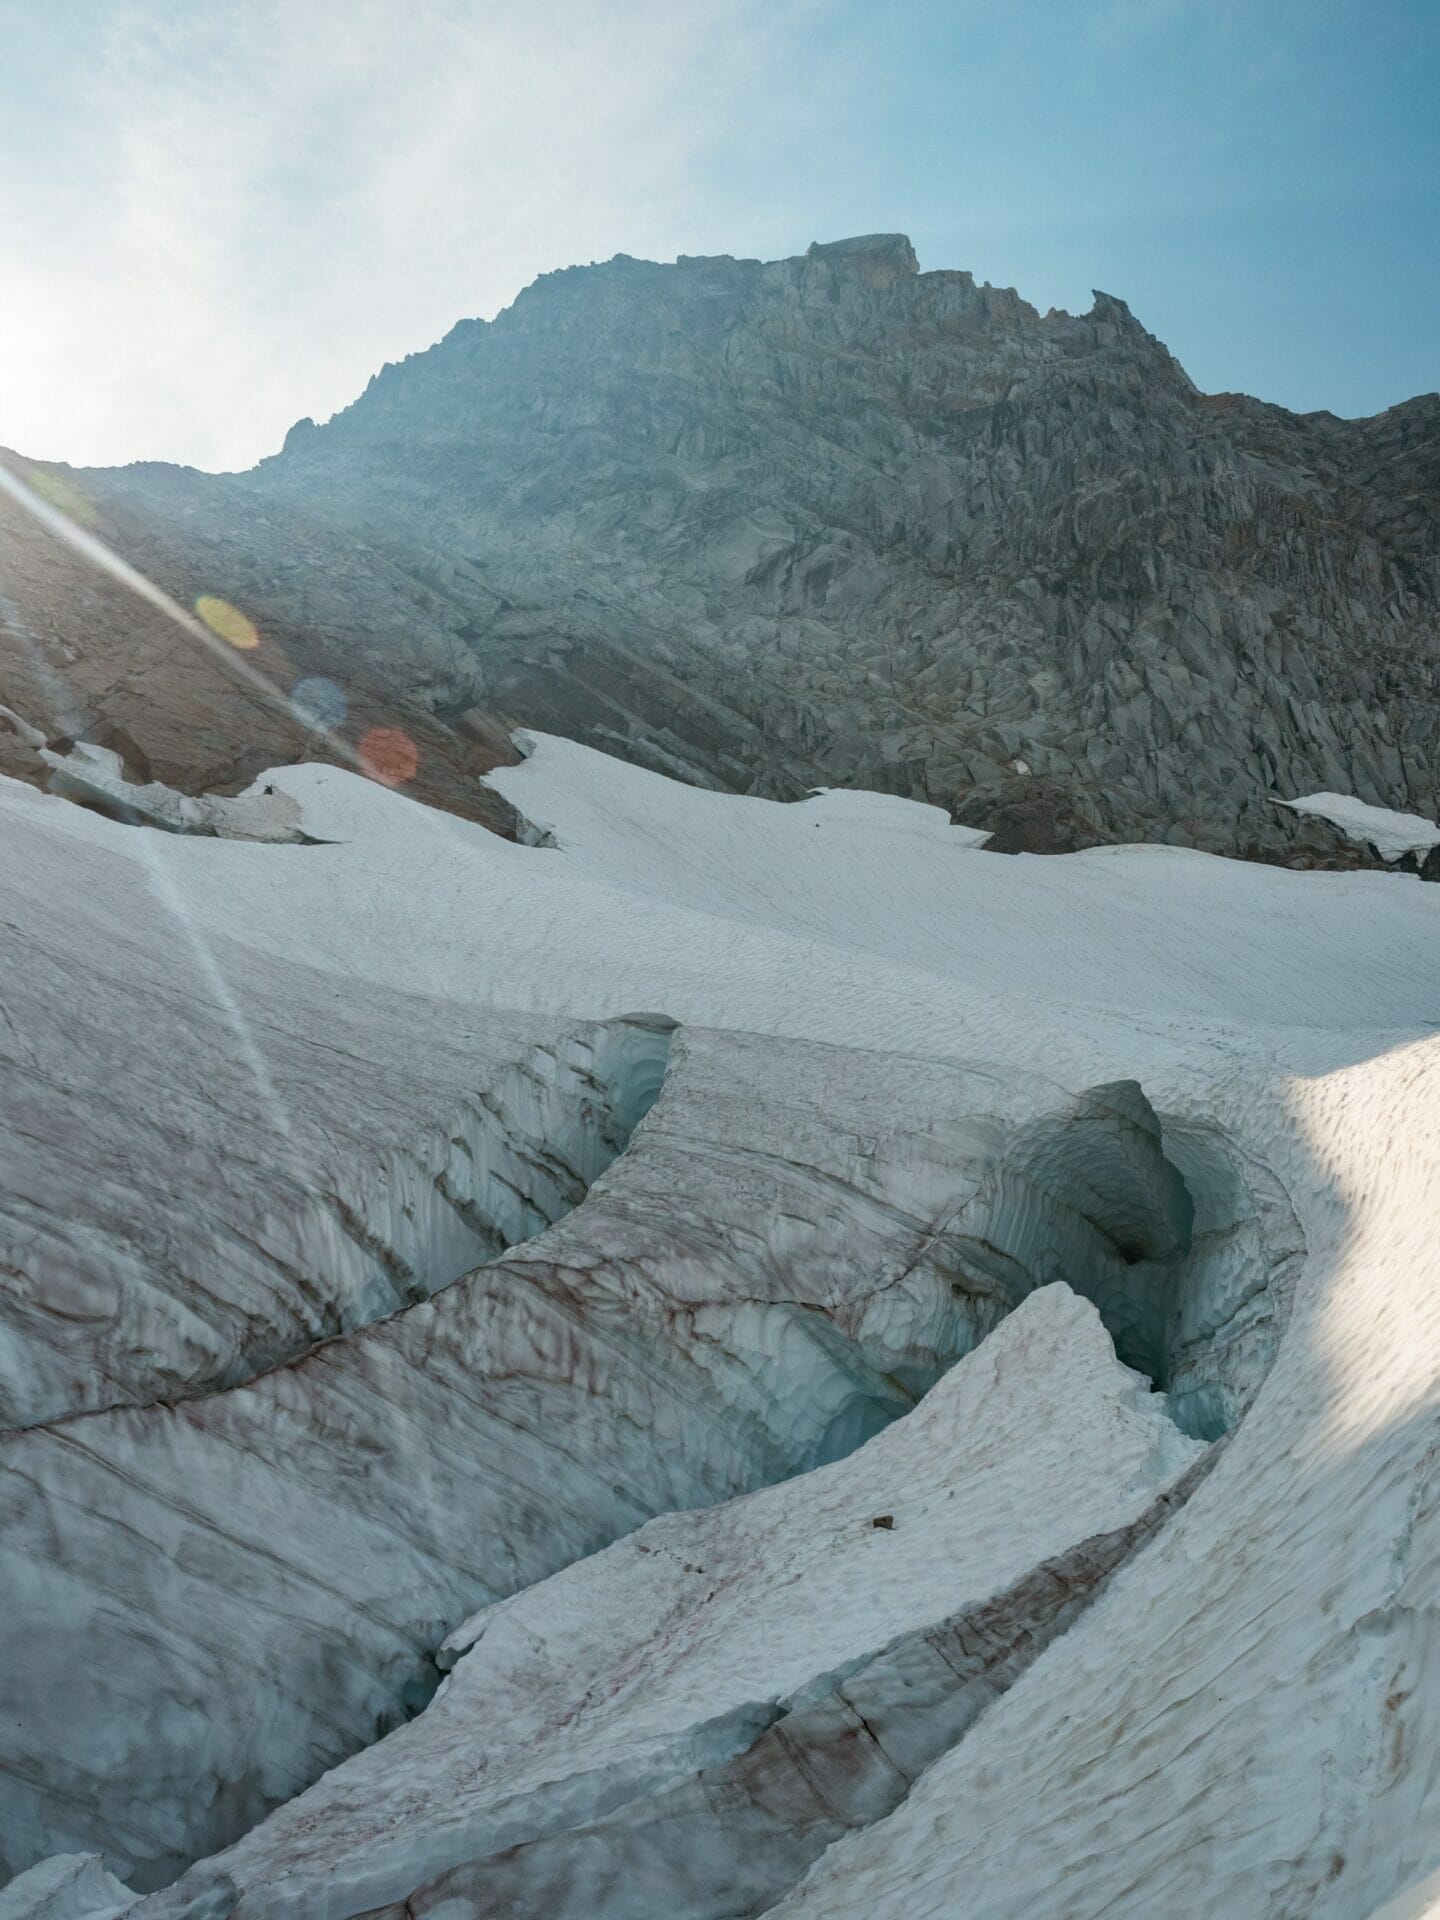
{"x":213,"y":1159}
{"x":679,"y":1724}
{"x":368,"y":1388}
{"x":241,"y":1589}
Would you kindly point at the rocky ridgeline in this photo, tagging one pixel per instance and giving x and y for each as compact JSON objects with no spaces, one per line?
{"x":830,"y":520}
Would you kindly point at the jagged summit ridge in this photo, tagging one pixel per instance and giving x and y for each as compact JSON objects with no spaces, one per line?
{"x":869,"y":249}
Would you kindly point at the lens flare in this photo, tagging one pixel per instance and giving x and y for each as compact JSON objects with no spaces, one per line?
{"x":228,"y":622}
{"x":389,"y":756}
{"x":104,"y":559}
{"x":317,"y":702}
{"x":62,"y":494}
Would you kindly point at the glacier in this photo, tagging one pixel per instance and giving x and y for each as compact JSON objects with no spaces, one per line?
{"x":716,"y":1177}
{"x":599,"y":1693}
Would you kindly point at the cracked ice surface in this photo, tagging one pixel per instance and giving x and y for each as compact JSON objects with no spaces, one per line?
{"x":797,"y":1243}
{"x":673,"y":1649}
{"x":1274,"y":1752}
{"x":1241,"y":1722}
{"x":214,"y":1158}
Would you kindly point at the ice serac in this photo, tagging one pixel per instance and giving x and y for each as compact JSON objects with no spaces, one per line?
{"x":734,"y":1836}
{"x":686,"y":1651}
{"x":1279,"y":1757}
{"x":832,"y":521}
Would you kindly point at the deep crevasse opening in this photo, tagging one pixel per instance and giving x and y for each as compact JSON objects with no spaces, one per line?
{"x":520,"y":1157}
{"x":1187,"y":1247}
{"x":338,"y":1237}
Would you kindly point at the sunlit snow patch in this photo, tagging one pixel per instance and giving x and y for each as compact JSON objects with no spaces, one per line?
{"x":1391,"y":834}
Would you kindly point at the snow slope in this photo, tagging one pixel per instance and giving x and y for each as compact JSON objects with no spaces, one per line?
{"x":1146,"y":932}
{"x":855,"y":919}
{"x":1244,"y":1720}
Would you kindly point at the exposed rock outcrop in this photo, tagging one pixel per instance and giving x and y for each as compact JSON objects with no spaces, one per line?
{"x":82,"y":659}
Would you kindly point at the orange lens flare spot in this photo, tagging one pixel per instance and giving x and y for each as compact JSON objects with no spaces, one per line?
{"x":228,"y":622}
{"x":389,"y":756}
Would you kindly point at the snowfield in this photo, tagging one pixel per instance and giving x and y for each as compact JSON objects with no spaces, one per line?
{"x":915,"y":1088}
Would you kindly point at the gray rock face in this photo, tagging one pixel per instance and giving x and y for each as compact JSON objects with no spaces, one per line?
{"x":832,"y":520}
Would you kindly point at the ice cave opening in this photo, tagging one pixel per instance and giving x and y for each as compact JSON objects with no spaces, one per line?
{"x":1188,"y":1249}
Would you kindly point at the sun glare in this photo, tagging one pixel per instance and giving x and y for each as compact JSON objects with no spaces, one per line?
{"x":228,"y":622}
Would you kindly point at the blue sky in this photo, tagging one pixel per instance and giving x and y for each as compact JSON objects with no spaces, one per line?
{"x":217,"y":217}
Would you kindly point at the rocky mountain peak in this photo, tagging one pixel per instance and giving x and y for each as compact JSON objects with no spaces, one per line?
{"x":876,"y":255}
{"x":832,"y":521}
{"x":1107,"y":307}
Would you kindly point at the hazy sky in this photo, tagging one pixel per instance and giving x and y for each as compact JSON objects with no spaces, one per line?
{"x":218,"y":215}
